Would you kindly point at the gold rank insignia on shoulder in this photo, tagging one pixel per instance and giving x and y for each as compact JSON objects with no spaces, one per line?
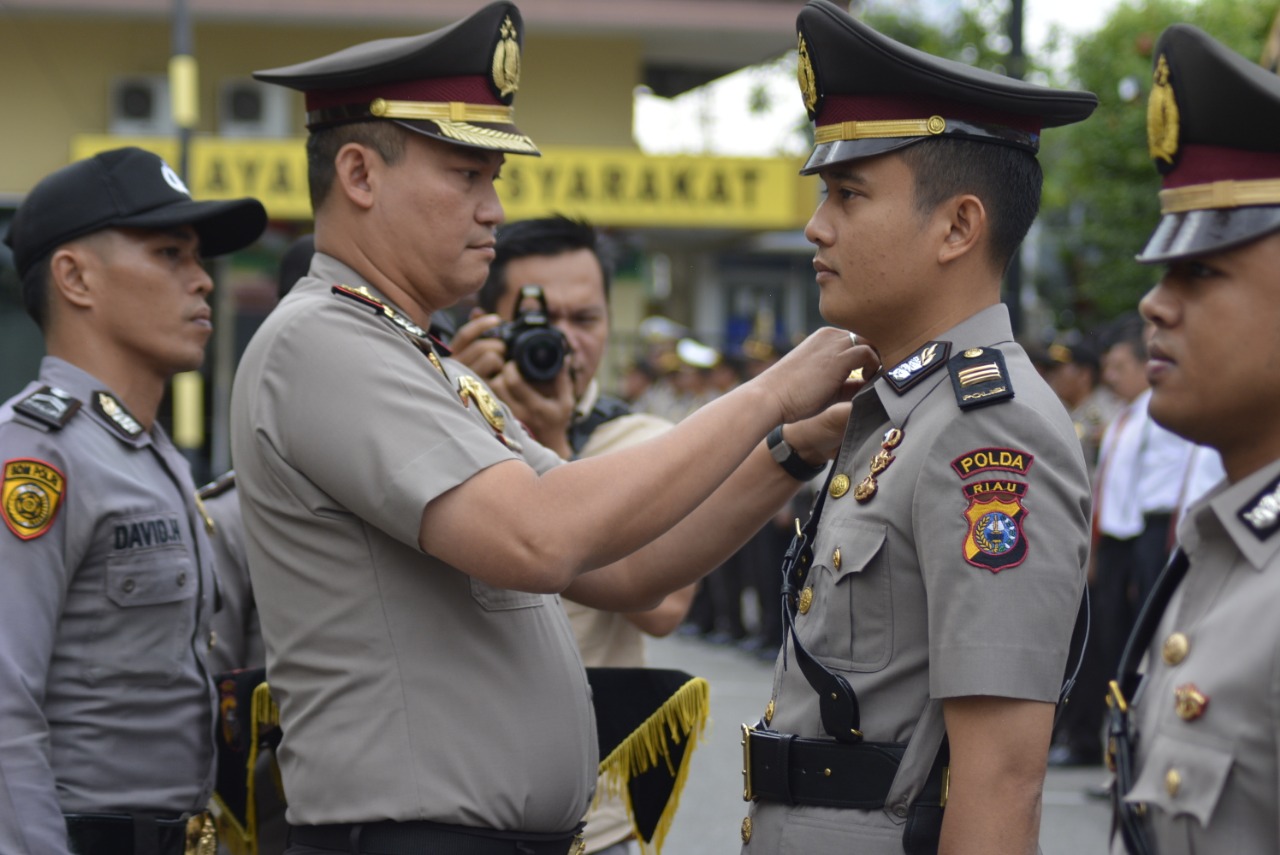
{"x":918,"y":366}
{"x":31,"y":495}
{"x":979,"y":378}
{"x":470,"y":389}
{"x":364,"y":295}
{"x":116,"y":414}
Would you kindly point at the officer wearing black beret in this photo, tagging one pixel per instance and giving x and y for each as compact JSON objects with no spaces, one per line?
{"x":106,"y":579}
{"x":1197,"y":740}
{"x":931,"y":609}
{"x":406,"y":536}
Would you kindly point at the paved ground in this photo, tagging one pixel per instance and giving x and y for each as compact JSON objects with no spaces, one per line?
{"x":712,"y":809}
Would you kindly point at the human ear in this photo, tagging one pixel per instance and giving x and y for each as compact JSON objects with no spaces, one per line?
{"x":353,"y":167}
{"x":71,"y":274}
{"x":966,"y":224}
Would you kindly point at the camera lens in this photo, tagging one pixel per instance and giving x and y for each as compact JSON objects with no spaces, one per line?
{"x":539,"y":354}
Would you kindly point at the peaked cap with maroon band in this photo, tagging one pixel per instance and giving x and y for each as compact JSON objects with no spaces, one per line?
{"x":455,"y":84}
{"x":868,"y":94}
{"x":1211,"y":129}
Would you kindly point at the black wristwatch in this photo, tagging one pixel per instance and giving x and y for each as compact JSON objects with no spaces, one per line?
{"x":789,"y":460}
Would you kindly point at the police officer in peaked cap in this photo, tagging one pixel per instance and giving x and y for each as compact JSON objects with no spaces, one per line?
{"x":930,"y":610}
{"x":406,"y":536}
{"x":1197,"y":740}
{"x":107,"y":708}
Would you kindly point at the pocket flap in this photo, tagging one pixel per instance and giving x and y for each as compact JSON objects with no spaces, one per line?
{"x":1182,"y":777}
{"x":858,"y":543}
{"x":151,"y":578}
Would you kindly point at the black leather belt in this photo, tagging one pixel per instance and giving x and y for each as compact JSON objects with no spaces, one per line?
{"x":431,"y":838}
{"x":796,"y":770}
{"x":122,"y":834}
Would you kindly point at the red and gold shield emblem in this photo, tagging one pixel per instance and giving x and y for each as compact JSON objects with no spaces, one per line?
{"x":995,"y":538}
{"x":31,"y":495}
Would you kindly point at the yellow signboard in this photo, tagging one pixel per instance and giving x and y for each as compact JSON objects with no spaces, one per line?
{"x":609,"y":187}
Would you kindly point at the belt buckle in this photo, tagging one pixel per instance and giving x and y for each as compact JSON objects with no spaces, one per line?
{"x":747,"y":794}
{"x":202,"y":835}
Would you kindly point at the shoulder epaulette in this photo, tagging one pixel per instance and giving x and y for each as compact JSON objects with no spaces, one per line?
{"x":918,"y":366}
{"x":979,"y":377}
{"x":50,"y":406}
{"x":362,"y":295}
{"x":218,"y":486}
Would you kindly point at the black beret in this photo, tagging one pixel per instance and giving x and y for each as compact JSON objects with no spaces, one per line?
{"x":1212,"y":122}
{"x":868,"y":94}
{"x":124,"y":188}
{"x":455,"y":84}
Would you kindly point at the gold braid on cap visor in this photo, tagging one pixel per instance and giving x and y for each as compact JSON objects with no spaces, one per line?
{"x":887,"y":129}
{"x":1220,"y":194}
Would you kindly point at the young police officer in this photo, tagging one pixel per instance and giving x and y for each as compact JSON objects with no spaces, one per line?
{"x":406,"y":536}
{"x":106,"y":586}
{"x":1206,"y":775}
{"x":949,"y":558}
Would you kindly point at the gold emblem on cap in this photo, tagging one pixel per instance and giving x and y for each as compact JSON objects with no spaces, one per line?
{"x":804,"y":74}
{"x":1189,"y":702}
{"x":506,"y":59}
{"x":1162,"y":115}
{"x":839,"y":485}
{"x":1176,"y":647}
{"x":471,"y":388}
{"x":806,"y":600}
{"x":936,"y":124}
{"x":746,"y":829}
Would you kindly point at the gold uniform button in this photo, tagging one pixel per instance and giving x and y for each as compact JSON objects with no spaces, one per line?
{"x":746,"y":829}
{"x":835,"y":559}
{"x":1172,"y":782}
{"x":806,"y":600}
{"x":839,"y":485}
{"x":1176,"y":647}
{"x":768,"y":711}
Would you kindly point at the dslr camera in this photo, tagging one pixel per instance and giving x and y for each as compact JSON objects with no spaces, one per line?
{"x":537,"y":348}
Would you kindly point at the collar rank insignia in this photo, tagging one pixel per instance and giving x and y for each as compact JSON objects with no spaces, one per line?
{"x":49,"y":405}
{"x":1262,"y":514}
{"x":31,"y":496}
{"x":114,"y":411}
{"x":363,"y":295}
{"x":470,"y":389}
{"x":995,"y":539}
{"x":918,"y":366}
{"x":980,"y":378}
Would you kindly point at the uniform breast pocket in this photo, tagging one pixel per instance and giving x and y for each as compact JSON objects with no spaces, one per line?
{"x":502,"y":599}
{"x":1183,"y":778}
{"x":145,"y":627}
{"x":849,"y":624}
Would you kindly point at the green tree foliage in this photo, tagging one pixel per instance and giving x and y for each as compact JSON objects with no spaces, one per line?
{"x":1100,"y":199}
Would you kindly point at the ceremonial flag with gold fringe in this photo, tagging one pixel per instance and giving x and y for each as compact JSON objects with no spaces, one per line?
{"x":248,"y":723}
{"x":647,"y":721}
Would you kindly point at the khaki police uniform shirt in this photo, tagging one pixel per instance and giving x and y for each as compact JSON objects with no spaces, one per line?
{"x":105,"y":701}
{"x":1208,"y":712}
{"x":407,"y":689}
{"x":904,"y":604}
{"x":608,"y":639}
{"x":237,"y":633}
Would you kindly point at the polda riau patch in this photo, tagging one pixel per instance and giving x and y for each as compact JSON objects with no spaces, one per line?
{"x":31,"y":494}
{"x":987,"y":459}
{"x":996,"y":538}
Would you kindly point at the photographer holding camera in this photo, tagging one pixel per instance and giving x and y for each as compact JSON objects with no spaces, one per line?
{"x":539,"y":347}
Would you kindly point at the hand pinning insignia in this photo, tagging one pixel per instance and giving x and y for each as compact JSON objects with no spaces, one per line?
{"x":30,"y":497}
{"x":995,"y":539}
{"x":918,"y":366}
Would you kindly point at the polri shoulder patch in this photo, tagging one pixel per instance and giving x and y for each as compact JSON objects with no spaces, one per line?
{"x":1261,"y":515}
{"x":30,"y":496}
{"x":363,"y":295}
{"x":986,"y":459}
{"x":979,"y":378}
{"x":918,"y":366}
{"x":996,"y":538}
{"x":50,"y":406}
{"x":117,"y":415}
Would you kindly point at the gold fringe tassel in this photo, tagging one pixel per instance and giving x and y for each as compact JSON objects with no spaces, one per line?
{"x":682,"y":716}
{"x":243,"y":839}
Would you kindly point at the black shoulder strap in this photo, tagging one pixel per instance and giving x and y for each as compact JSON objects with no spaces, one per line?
{"x":607,"y":409}
{"x":1121,"y":738}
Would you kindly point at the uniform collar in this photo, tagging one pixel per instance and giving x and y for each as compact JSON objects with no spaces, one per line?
{"x":87,"y":389}
{"x":983,"y":329}
{"x":1249,"y":512}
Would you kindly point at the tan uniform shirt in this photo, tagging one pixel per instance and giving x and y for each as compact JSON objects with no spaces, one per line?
{"x":608,"y":639}
{"x":237,"y":631}
{"x":906,"y":605}
{"x":1208,"y":712}
{"x":407,"y":689}
{"x":106,"y":588}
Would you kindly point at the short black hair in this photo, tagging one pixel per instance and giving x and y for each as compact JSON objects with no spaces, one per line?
{"x":1008,"y":180}
{"x":386,"y":138}
{"x":35,"y":289}
{"x":547,"y":236}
